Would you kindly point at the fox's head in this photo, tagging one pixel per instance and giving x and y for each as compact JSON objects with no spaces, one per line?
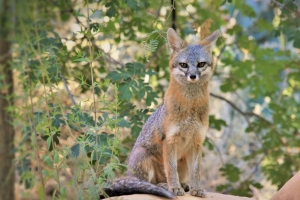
{"x":191,"y":63}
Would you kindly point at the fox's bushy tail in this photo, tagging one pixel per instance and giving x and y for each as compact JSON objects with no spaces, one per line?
{"x":132,"y":185}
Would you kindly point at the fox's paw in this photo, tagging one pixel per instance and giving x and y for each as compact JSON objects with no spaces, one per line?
{"x":185,"y":187}
{"x":163,"y":185}
{"x":177,"y":191}
{"x":199,"y":193}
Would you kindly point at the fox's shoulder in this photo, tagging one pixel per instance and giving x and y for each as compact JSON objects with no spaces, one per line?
{"x":154,"y":124}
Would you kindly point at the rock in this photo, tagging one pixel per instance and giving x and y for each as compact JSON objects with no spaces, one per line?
{"x":290,"y":190}
{"x":210,"y":196}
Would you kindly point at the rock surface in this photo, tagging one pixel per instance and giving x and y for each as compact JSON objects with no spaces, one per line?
{"x":210,"y":196}
{"x":290,"y":190}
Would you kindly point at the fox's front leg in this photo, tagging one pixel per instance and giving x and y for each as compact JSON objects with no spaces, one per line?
{"x":170,"y":165}
{"x":194,"y":159}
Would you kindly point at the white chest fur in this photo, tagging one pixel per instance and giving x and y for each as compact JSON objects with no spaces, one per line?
{"x":185,"y":132}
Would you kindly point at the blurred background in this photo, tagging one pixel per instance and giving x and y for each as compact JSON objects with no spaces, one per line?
{"x":79,"y":78}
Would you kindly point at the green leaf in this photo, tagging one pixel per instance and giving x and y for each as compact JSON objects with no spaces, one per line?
{"x":57,"y":121}
{"x":125,"y":93}
{"x":111,"y":11}
{"x":133,"y":4}
{"x":47,"y":159}
{"x":216,"y":123}
{"x":63,"y":191}
{"x":123,"y":123}
{"x":118,"y":75}
{"x":75,"y":150}
{"x":230,"y":172}
{"x":208,"y":144}
{"x":56,"y":157}
{"x":152,"y":45}
{"x":49,"y":143}
{"x":41,"y":192}
{"x":297,"y":40}
{"x":83,"y":59}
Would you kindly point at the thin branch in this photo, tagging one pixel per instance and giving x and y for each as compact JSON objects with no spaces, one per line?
{"x":91,"y":66}
{"x":173,"y":14}
{"x":93,"y":84}
{"x":239,"y":110}
{"x":108,"y":56}
{"x":245,"y":114}
{"x":190,"y":15}
{"x":219,"y":56}
{"x":255,"y":192}
{"x":35,"y":140}
{"x":282,"y":87}
{"x":73,"y":12}
{"x":5,"y":55}
{"x":284,"y":6}
{"x":217,"y":148}
{"x":278,"y":4}
{"x":67,"y":89}
{"x":256,"y":168}
{"x":232,"y":105}
{"x":159,"y":9}
{"x":155,"y":56}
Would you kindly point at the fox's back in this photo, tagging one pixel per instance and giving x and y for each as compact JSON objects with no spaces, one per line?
{"x":152,"y":131}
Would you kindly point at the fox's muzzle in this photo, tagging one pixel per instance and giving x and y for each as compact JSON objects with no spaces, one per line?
{"x":192,"y":74}
{"x":193,"y":77}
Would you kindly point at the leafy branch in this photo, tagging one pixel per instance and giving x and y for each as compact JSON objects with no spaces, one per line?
{"x":246,"y":114}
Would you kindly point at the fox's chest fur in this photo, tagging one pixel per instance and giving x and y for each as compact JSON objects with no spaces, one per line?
{"x":186,"y":114}
{"x":182,"y":120}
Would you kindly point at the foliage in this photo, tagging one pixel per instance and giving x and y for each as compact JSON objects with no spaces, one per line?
{"x":116,"y":64}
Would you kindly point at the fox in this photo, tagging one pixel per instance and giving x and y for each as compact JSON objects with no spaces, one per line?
{"x":166,"y":157}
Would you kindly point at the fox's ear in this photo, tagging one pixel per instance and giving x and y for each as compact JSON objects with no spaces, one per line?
{"x":210,"y":40}
{"x":175,"y":42}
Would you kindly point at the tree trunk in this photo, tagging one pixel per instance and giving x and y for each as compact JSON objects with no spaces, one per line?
{"x":6,"y":91}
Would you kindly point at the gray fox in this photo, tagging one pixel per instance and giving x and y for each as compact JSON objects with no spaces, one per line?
{"x":166,"y":157}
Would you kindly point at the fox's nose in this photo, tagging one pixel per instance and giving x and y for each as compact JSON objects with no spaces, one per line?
{"x":193,"y":76}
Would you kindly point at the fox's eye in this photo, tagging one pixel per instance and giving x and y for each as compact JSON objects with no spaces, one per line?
{"x":183,"y":65}
{"x":201,"y":64}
